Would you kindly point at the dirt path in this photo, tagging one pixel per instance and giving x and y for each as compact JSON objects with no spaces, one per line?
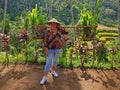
{"x":27,"y":77}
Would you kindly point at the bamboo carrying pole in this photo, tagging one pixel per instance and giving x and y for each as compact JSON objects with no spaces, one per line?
{"x":95,"y":26}
{"x":79,"y":26}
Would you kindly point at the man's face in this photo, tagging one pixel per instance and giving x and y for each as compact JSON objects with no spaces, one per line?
{"x":52,"y":24}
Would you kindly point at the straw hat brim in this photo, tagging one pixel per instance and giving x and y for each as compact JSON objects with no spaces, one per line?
{"x":53,"y":20}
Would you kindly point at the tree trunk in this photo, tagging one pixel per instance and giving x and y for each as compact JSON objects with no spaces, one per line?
{"x":3,"y":28}
{"x":71,"y":10}
{"x":4,"y":16}
{"x":50,"y":8}
{"x":72,"y":16}
{"x":119,"y":22}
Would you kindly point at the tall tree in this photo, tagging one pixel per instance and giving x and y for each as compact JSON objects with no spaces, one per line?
{"x":71,"y":10}
{"x":119,"y":21}
{"x":50,"y":8}
{"x":4,"y":16}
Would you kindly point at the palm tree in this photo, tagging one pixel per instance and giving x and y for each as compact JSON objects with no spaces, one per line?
{"x":119,"y":21}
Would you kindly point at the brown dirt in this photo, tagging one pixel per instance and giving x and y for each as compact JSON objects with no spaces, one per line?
{"x":27,"y":77}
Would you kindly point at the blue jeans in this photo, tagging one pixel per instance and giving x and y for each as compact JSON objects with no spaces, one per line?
{"x":53,"y":54}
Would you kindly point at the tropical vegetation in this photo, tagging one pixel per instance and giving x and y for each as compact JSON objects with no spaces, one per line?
{"x":23,"y":34}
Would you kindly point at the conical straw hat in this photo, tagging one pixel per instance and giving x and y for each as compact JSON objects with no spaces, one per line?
{"x":53,"y":20}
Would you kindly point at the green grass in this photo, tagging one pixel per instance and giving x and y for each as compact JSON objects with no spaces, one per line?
{"x":76,"y":62}
{"x":19,"y":58}
{"x":2,"y":57}
{"x":65,"y":61}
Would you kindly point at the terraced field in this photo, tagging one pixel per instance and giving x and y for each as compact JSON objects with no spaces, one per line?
{"x":107,"y":33}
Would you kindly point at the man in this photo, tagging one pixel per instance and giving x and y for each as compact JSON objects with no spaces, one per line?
{"x":53,"y":45}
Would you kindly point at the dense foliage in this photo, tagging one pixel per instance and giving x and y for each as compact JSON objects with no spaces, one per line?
{"x":24,"y":24}
{"x":61,"y":9}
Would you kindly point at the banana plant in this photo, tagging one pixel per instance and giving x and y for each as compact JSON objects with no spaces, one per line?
{"x":33,"y":16}
{"x":41,"y":18}
{"x":34,"y":19}
{"x":30,"y":20}
{"x":90,"y":18}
